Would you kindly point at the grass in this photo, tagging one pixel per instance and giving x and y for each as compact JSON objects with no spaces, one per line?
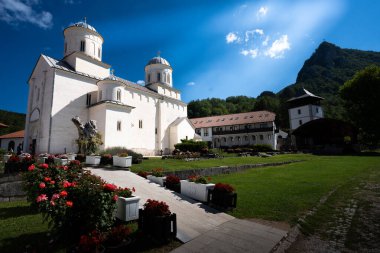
{"x":284,"y":193}
{"x":175,"y":164}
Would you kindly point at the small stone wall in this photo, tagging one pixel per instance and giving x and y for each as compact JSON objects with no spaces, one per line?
{"x":184,"y":174}
{"x":11,"y":188}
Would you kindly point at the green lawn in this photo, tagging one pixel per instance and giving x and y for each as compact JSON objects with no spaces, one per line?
{"x":284,"y":193}
{"x":175,"y":164}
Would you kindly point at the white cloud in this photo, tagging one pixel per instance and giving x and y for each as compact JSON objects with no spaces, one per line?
{"x":262,"y":12}
{"x":250,"y":52}
{"x":265,"y":42}
{"x":250,"y":33}
{"x":16,"y":11}
{"x":232,"y":37}
{"x":141,"y":82}
{"x":190,"y":84}
{"x":278,"y":47}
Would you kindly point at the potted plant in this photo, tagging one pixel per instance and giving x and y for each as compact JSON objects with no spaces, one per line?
{"x":42,"y":158}
{"x":223,"y":195}
{"x":196,"y":187}
{"x":61,"y":160}
{"x":117,"y":239}
{"x":127,"y":205}
{"x":71,"y":156}
{"x":173,"y":182}
{"x":157,"y":221}
{"x":93,"y":159}
{"x":122,"y":160}
{"x":157,"y":176}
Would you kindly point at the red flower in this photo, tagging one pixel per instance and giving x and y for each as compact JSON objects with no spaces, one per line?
{"x":73,"y":184}
{"x":52,"y":182}
{"x":115,"y":197}
{"x":44,"y":166}
{"x":47,"y":179}
{"x":223,"y":188}
{"x":31,"y":167}
{"x":65,"y":167}
{"x":52,"y":203}
{"x":55,"y":196}
{"x":69,"y":203}
{"x":42,"y":185}
{"x":63,"y":194}
{"x":41,"y":197}
{"x":109,"y":187}
{"x":66,"y":184}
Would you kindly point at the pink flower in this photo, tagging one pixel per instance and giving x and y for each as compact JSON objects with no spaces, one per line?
{"x":42,"y":185}
{"x":31,"y":167}
{"x":65,"y":167}
{"x":44,"y":166}
{"x":52,"y":203}
{"x":63,"y":194}
{"x":115,"y":197}
{"x":55,"y":196}
{"x":42,"y":197}
{"x":69,"y":203}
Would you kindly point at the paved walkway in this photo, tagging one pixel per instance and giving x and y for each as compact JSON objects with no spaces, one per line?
{"x":199,"y":226}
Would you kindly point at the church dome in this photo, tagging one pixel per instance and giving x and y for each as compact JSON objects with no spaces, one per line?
{"x":84,"y":25}
{"x":158,"y":60}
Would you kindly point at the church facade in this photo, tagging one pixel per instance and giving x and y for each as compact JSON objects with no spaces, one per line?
{"x":147,"y":119}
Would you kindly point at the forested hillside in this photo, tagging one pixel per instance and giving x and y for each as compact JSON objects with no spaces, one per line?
{"x":322,"y":74}
{"x":15,"y":121}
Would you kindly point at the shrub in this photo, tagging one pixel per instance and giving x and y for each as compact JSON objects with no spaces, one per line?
{"x":220,"y":187}
{"x":117,"y":235}
{"x":143,"y":174}
{"x":158,"y":172}
{"x":124,"y":154}
{"x":172,"y":180}
{"x":136,"y":157}
{"x":199,"y":179}
{"x":16,"y":164}
{"x":125,"y":192}
{"x":156,"y":208}
{"x":77,"y":202}
{"x":192,"y":146}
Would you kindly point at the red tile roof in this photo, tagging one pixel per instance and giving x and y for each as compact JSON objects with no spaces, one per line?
{"x":18,"y":134}
{"x":234,"y":119}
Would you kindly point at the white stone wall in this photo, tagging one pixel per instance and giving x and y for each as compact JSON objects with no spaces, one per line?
{"x":303,"y":114}
{"x":74,"y":36}
{"x":184,"y":130}
{"x":70,"y":96}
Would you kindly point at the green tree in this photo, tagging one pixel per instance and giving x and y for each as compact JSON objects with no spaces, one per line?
{"x":361,"y":97}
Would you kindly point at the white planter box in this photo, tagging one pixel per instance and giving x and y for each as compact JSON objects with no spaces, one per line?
{"x":157,"y":180}
{"x":60,"y":161}
{"x":122,"y":161}
{"x":127,"y":208}
{"x":195,"y":191}
{"x":41,"y":159}
{"x":93,"y":160}
{"x":6,"y":158}
{"x":71,"y":157}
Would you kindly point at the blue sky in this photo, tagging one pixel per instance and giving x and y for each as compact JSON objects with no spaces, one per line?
{"x":216,"y":48}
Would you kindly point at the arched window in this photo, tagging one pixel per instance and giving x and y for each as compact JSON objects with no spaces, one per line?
{"x":118,"y":95}
{"x":158,"y":77}
{"x":82,"y":46}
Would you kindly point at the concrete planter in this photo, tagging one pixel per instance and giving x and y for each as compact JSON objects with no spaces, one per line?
{"x":6,"y":158}
{"x":160,"y":228}
{"x":71,"y":157}
{"x":122,"y":161}
{"x":60,"y":161}
{"x":42,"y":159}
{"x":196,"y":191}
{"x":128,"y":208}
{"x":93,"y":160}
{"x":157,"y":180}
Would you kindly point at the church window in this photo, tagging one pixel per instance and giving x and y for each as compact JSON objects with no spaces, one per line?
{"x":140,"y":124}
{"x":148,"y":78}
{"x":158,"y":77}
{"x":118,"y":127}
{"x":261,"y":137}
{"x":88,"y":99}
{"x":82,"y":46}
{"x":118,"y":95}
{"x":299,"y":111}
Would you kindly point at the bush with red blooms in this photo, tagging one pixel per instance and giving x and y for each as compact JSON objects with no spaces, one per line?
{"x":76,"y":201}
{"x":90,"y":242}
{"x":106,"y":159}
{"x":220,"y":187}
{"x":156,"y":208}
{"x":18,"y":163}
{"x":172,"y":179}
{"x":117,"y":235}
{"x":143,"y":174}
{"x":124,"y":192}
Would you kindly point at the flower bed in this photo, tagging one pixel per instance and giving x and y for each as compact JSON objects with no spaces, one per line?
{"x":173,"y":182}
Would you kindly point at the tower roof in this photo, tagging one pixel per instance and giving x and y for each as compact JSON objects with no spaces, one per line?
{"x":83,"y":24}
{"x":304,"y":97}
{"x":158,"y":60}
{"x":305,"y":94}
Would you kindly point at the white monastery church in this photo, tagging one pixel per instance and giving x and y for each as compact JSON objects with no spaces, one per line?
{"x":147,"y":119}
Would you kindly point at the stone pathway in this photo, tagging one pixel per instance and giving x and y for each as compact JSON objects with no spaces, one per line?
{"x":199,"y":226}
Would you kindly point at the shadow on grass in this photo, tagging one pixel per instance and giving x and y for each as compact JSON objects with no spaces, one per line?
{"x":18,"y":211}
{"x":36,"y":242}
